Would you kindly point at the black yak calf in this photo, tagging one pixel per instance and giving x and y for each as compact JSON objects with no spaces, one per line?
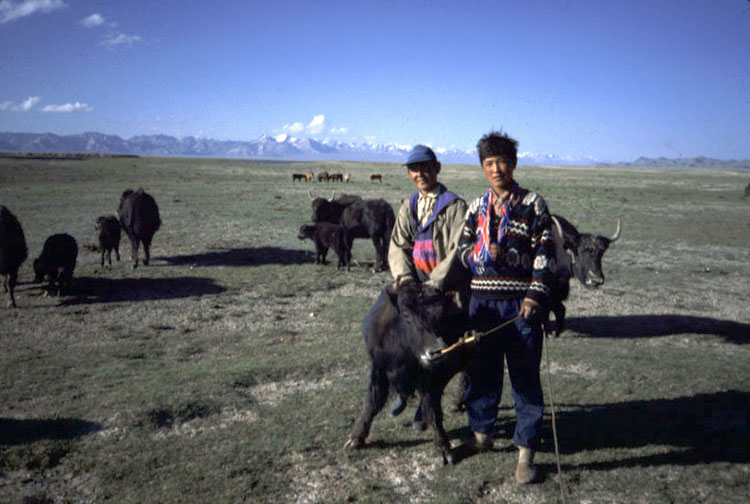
{"x":13,"y":251}
{"x":139,"y":217}
{"x":57,"y":262}
{"x":403,"y":332}
{"x":327,"y":235}
{"x":109,"y":237}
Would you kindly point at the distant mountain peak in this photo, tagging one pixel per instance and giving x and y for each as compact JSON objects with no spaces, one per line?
{"x":287,"y":147}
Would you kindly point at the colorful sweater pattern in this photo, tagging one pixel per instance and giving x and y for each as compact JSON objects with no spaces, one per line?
{"x":526,"y":260}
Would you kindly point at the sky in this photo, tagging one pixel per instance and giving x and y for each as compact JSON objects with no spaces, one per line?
{"x":609,"y":80}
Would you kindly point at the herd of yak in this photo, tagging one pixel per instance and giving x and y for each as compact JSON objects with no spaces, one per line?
{"x":324,"y":176}
{"x":138,"y":216}
{"x":406,"y":355}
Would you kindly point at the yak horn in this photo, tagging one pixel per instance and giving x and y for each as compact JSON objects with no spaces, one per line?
{"x":332,"y":195}
{"x":559,"y":228}
{"x":616,"y":236}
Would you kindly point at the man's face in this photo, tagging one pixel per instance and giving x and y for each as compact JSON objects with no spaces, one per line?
{"x":424,"y":175}
{"x":499,"y":172}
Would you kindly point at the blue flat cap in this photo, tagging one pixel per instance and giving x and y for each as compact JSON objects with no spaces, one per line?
{"x":420,"y":154}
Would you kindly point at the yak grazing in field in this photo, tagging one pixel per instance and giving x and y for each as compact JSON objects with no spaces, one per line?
{"x":578,"y":255}
{"x":139,"y":217}
{"x":403,"y":332}
{"x":13,"y":251}
{"x":109,"y":237}
{"x":57,"y":262}
{"x":362,"y":219}
{"x":326,"y":235}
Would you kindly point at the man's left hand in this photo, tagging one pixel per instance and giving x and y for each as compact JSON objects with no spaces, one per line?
{"x":530,"y":309}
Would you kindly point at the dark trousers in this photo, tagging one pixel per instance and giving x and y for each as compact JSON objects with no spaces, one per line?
{"x":520,"y":345}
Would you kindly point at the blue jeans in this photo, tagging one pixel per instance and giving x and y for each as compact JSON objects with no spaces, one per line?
{"x":520,"y":344}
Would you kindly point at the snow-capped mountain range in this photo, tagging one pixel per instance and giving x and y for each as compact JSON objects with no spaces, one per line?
{"x":281,"y":147}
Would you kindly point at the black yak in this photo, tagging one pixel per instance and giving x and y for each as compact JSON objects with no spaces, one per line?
{"x":578,"y":255}
{"x":13,"y":251}
{"x":139,"y":217}
{"x":326,"y":235}
{"x":57,"y":262}
{"x":109,"y":237}
{"x":403,"y":332}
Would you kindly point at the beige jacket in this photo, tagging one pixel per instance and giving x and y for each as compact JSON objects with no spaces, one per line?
{"x":449,"y":273}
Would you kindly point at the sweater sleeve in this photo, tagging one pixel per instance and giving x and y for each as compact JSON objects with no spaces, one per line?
{"x":543,"y":251}
{"x":468,"y":236}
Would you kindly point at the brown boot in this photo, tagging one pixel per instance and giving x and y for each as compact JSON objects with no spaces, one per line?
{"x":525,"y":470}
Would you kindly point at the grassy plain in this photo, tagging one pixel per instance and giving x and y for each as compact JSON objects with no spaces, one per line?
{"x":232,"y":368}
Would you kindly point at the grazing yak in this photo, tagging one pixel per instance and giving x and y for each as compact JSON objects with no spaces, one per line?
{"x":109,"y":237}
{"x":57,"y":262}
{"x":298,"y":176}
{"x":403,"y":332}
{"x":326,"y":235}
{"x":376,"y":176}
{"x":13,"y":251}
{"x":139,"y":217}
{"x":362,"y":219}
{"x":577,"y":255}
{"x":323,"y":176}
{"x":336,"y":177}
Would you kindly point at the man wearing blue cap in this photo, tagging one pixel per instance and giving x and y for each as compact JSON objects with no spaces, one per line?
{"x":424,"y":241}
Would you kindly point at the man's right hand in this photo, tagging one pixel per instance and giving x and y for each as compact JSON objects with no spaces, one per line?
{"x":494,"y":251}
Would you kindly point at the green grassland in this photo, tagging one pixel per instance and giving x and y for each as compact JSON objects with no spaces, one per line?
{"x":232,"y":368}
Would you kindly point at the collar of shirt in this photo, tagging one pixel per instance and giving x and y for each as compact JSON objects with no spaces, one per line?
{"x":425,"y":204}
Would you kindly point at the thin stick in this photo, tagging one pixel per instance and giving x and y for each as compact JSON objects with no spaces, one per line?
{"x":554,"y":427}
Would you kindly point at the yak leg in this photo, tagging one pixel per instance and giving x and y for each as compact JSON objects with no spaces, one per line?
{"x":134,"y":244}
{"x":117,"y":251}
{"x":64,"y":281}
{"x":463,"y":385}
{"x":103,"y":252}
{"x":377,"y":393}
{"x":559,"y":310}
{"x":147,"y":251}
{"x":9,"y":284}
{"x":432,"y":413}
{"x":380,"y":260}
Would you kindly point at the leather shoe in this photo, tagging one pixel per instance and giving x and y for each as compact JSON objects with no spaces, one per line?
{"x":525,"y":470}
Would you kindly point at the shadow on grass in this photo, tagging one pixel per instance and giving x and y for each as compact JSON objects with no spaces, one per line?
{"x":649,"y":326}
{"x":14,"y":431}
{"x":87,"y":290}
{"x":241,"y":257}
{"x":693,"y":430}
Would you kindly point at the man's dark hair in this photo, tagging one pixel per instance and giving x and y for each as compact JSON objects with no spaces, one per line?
{"x":497,"y":143}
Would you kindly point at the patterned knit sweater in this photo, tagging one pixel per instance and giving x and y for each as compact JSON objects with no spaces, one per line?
{"x":527,"y":256}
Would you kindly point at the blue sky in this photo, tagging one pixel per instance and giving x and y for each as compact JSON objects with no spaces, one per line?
{"x":611,"y":80}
